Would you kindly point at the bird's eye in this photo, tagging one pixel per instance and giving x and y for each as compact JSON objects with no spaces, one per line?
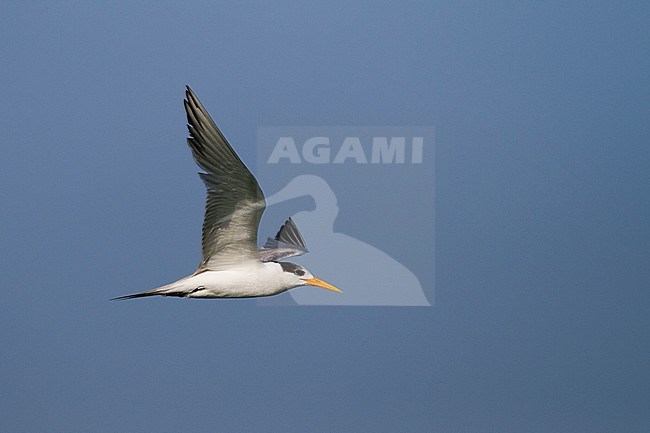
{"x":299,"y":272}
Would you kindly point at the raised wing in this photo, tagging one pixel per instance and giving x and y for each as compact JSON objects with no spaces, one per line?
{"x":288,"y":242}
{"x":234,"y":203}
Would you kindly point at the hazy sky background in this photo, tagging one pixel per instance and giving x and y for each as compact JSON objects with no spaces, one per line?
{"x":541,"y":320}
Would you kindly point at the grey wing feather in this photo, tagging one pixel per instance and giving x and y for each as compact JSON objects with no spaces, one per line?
{"x":234,"y":203}
{"x":288,"y":242}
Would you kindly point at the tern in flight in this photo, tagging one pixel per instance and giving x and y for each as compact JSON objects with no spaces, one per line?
{"x":232,"y":266}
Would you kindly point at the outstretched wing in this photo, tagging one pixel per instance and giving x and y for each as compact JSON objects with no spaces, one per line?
{"x":288,"y":242}
{"x":234,"y":203}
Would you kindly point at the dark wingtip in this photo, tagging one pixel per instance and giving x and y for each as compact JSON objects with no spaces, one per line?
{"x":290,"y":234}
{"x":189,"y":94}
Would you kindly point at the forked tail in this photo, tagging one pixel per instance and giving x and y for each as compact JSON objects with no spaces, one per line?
{"x":136,"y":295}
{"x":173,"y":289}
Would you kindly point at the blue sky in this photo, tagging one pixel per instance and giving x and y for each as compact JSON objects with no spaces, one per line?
{"x":540,"y":320}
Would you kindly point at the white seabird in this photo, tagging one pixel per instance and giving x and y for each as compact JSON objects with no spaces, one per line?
{"x":232,"y":266}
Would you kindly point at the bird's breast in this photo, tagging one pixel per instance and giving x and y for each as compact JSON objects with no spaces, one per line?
{"x":236,"y":283}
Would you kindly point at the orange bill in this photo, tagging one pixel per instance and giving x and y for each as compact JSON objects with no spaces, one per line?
{"x":320,"y":283}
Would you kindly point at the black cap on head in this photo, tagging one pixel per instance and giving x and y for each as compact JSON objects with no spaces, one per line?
{"x":292,"y":268}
